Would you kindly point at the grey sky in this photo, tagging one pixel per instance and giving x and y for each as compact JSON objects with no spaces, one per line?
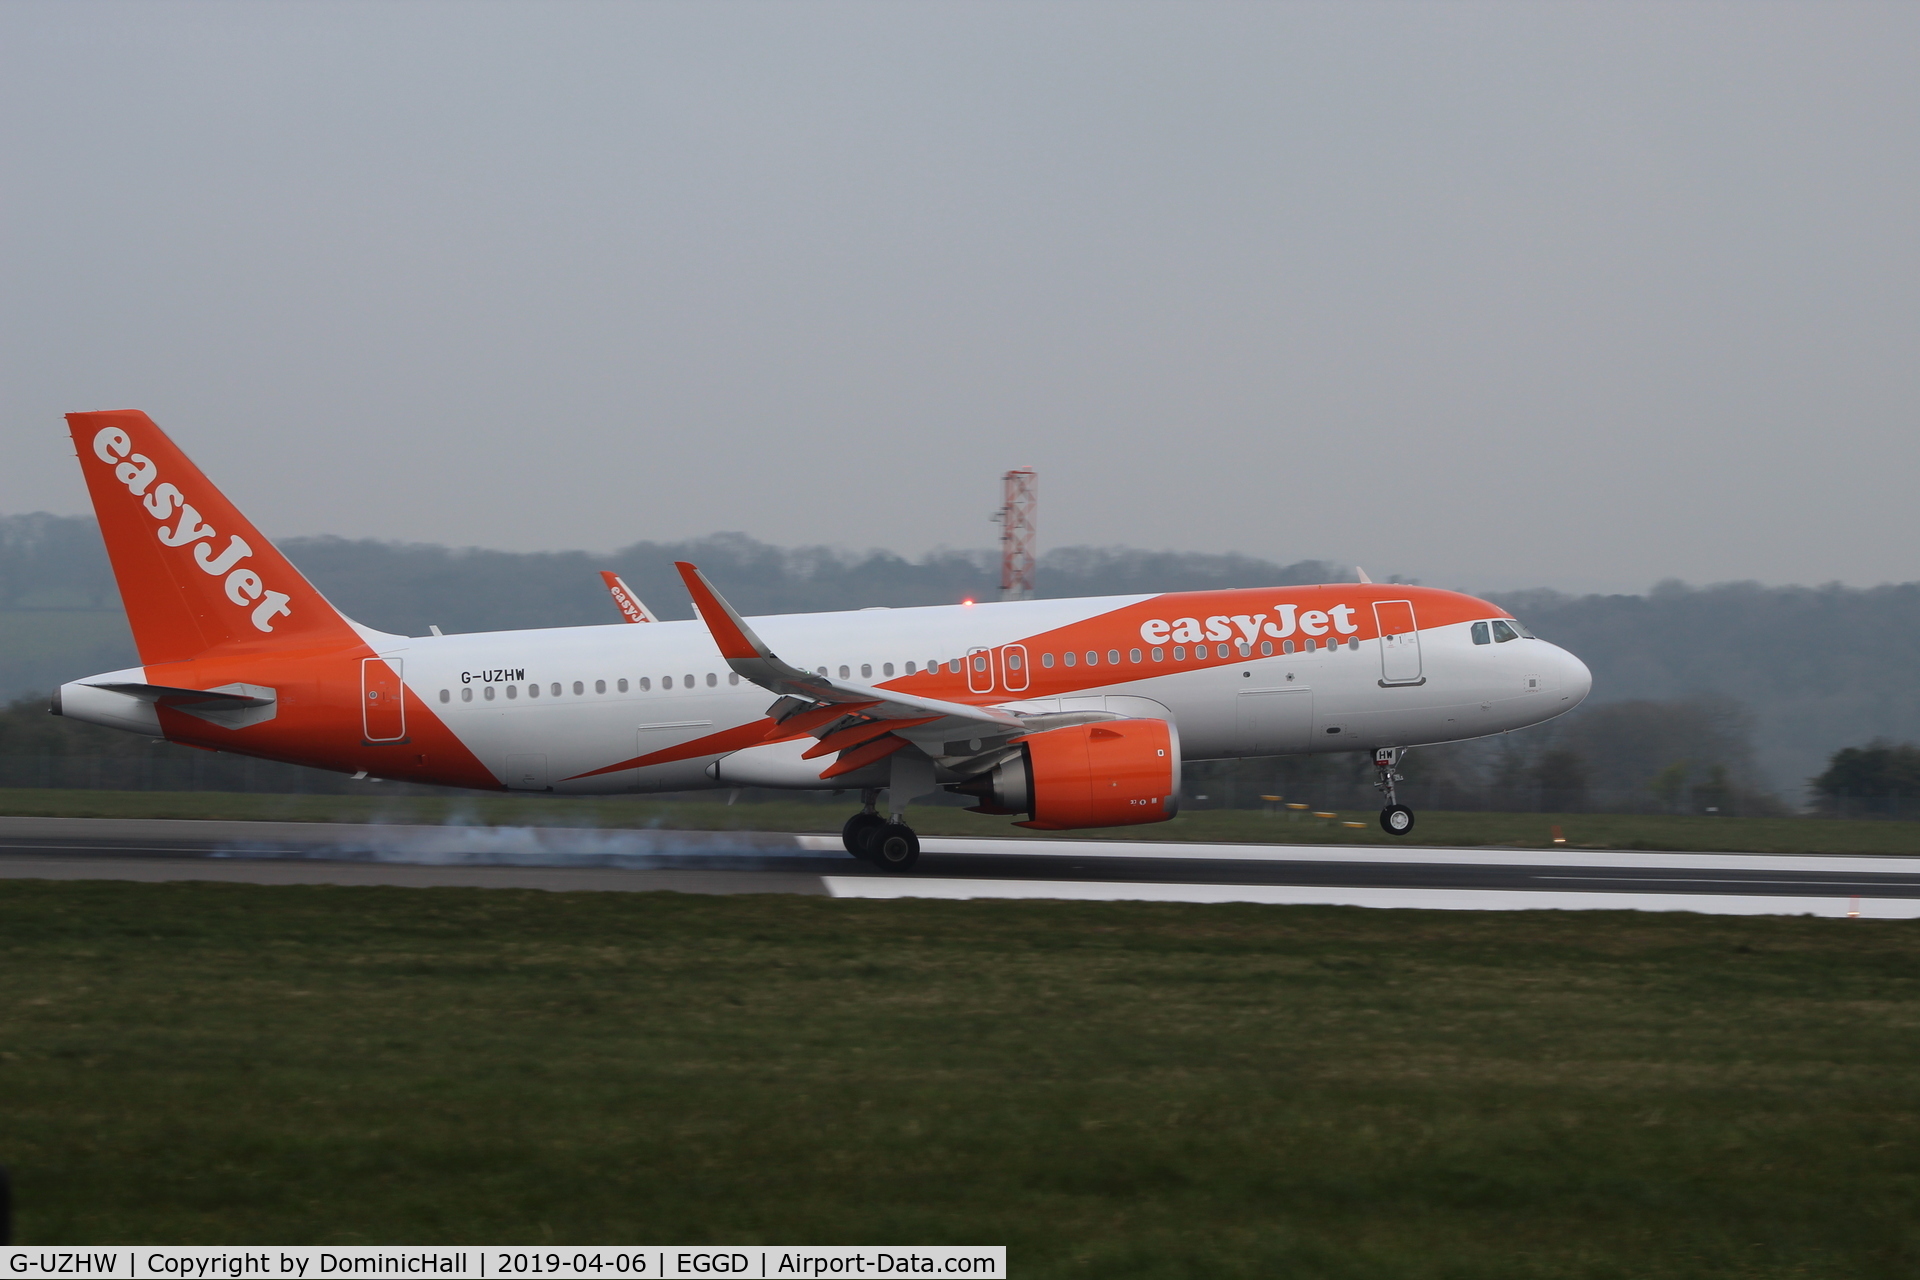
{"x":1494,"y":295}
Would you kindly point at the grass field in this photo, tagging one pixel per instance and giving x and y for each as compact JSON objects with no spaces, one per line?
{"x":1435,"y":827}
{"x":1109,"y":1089}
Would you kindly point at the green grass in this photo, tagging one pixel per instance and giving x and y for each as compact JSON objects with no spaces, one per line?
{"x":1109,"y":1089}
{"x":1435,"y":827}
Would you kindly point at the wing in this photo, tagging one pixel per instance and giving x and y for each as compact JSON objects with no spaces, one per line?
{"x":813,"y":694}
{"x":630,"y":605}
{"x":862,"y":723}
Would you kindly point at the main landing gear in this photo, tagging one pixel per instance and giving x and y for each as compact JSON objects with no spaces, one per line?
{"x":1396,"y":819}
{"x":887,"y":843}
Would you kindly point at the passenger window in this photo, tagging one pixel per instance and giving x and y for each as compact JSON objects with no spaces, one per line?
{"x":687,"y":680}
{"x":1480,"y":634}
{"x":979,"y":662}
{"x":843,"y":671}
{"x":1287,"y":647}
{"x":1503,"y":633}
{"x":622,"y":686}
{"x":866,"y":671}
{"x":1071,"y":657}
{"x":666,"y":682}
{"x":466,"y":695}
{"x":1246,"y":650}
{"x":1093,"y":657}
{"x":1353,"y":644}
{"x":555,"y":690}
{"x":1113,"y":657}
{"x":1179,"y":653}
{"x":513,"y":691}
{"x":733,"y":677}
{"x":533,"y":690}
{"x":446,"y":695}
{"x":1159,"y":655}
{"x":953,"y":665}
{"x":712,"y":680}
{"x":646,"y":684}
{"x":1313,"y":646}
{"x":912,"y":669}
{"x":1046,"y":660}
{"x":1133,"y":655}
{"x":579,"y":688}
{"x":1266,"y":648}
{"x":886,"y":669}
{"x":1013,"y":662}
{"x":599,"y":686}
{"x":489,"y":693}
{"x":1220,"y":651}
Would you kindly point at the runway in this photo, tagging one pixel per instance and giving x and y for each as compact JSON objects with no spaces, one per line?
{"x":574,"y":859}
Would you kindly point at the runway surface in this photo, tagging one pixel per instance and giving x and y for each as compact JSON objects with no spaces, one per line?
{"x":567,"y":858}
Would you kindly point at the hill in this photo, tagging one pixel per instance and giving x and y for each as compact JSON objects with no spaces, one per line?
{"x":1780,"y":677}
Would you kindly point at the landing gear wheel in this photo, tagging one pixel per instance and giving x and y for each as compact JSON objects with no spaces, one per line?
{"x":1396,"y":819}
{"x":859,"y":828}
{"x":893,"y":847}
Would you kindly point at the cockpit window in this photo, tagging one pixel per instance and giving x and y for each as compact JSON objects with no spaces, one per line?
{"x":1503,"y":631}
{"x":1480,"y":635}
{"x":1521,"y":627}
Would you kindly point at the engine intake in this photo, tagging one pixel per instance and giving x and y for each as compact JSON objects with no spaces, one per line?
{"x":1115,"y":773}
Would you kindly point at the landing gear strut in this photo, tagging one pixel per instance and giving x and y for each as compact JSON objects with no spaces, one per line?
{"x":886,"y":842}
{"x":1396,"y":819}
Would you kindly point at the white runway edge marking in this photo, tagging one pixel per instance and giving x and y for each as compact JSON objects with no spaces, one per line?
{"x":1405,"y":854}
{"x":1719,"y":904}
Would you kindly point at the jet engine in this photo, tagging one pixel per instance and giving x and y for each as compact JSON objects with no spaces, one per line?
{"x":1112,"y":773}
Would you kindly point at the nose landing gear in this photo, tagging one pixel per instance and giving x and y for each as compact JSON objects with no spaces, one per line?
{"x":1396,"y":819}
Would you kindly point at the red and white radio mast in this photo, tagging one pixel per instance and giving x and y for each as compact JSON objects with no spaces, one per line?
{"x":1017,"y":517}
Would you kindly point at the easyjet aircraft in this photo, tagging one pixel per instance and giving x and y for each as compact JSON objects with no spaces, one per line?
{"x":1074,"y":713}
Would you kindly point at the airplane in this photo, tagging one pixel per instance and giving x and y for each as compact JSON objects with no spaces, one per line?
{"x":631,"y":607}
{"x":1071,"y":714}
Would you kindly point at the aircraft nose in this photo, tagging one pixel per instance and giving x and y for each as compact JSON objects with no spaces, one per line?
{"x":1576,"y":682}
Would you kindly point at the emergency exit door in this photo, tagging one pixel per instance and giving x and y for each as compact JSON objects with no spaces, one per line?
{"x":1399,"y":642}
{"x":383,"y":710}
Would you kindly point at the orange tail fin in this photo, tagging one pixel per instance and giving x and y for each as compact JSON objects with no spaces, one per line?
{"x":194,"y":573}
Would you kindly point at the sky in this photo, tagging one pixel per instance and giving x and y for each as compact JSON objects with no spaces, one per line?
{"x":1583,"y":296}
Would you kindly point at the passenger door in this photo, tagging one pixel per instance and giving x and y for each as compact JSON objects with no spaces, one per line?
{"x":383,"y":707}
{"x":1399,"y":642}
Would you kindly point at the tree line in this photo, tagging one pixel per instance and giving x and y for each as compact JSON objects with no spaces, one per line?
{"x":1736,"y":691}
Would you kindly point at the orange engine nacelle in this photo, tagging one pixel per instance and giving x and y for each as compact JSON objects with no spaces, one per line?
{"x":1115,"y":773}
